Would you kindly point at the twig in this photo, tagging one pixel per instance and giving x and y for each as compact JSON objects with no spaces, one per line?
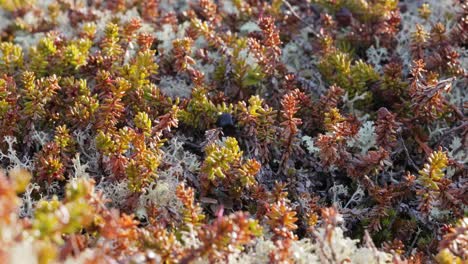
{"x":413,"y":242}
{"x":290,"y":7}
{"x":407,"y":153}
{"x":463,"y":125}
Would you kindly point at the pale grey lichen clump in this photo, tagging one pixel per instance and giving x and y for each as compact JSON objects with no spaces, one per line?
{"x":441,"y":11}
{"x":338,"y":250}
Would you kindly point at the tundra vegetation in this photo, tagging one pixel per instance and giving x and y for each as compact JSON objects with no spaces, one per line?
{"x":233,"y":131}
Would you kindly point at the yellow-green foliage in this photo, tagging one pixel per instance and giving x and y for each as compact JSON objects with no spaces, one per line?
{"x":446,"y":257}
{"x":257,"y":118}
{"x":132,"y":152}
{"x":193,"y":215}
{"x":12,"y":5}
{"x":141,"y":68}
{"x":220,"y":159}
{"x":37,"y":93}
{"x":331,"y":118}
{"x":243,"y":73}
{"x":54,"y":218}
{"x":76,"y":53}
{"x":89,"y":29}
{"x":114,"y":143}
{"x":62,"y":137}
{"x":47,"y":57}
{"x":365,"y":10}
{"x":361,"y":74}
{"x":255,"y":108}
{"x":337,"y":68}
{"x":11,"y":57}
{"x":141,"y":170}
{"x":85,"y":104}
{"x":110,"y":44}
{"x":40,"y":54}
{"x":224,"y":163}
{"x":433,"y":170}
{"x":201,"y":112}
{"x":143,"y":122}
{"x":4,"y":104}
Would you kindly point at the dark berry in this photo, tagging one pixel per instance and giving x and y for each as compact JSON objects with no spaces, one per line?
{"x":344,"y":17}
{"x":226,"y":122}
